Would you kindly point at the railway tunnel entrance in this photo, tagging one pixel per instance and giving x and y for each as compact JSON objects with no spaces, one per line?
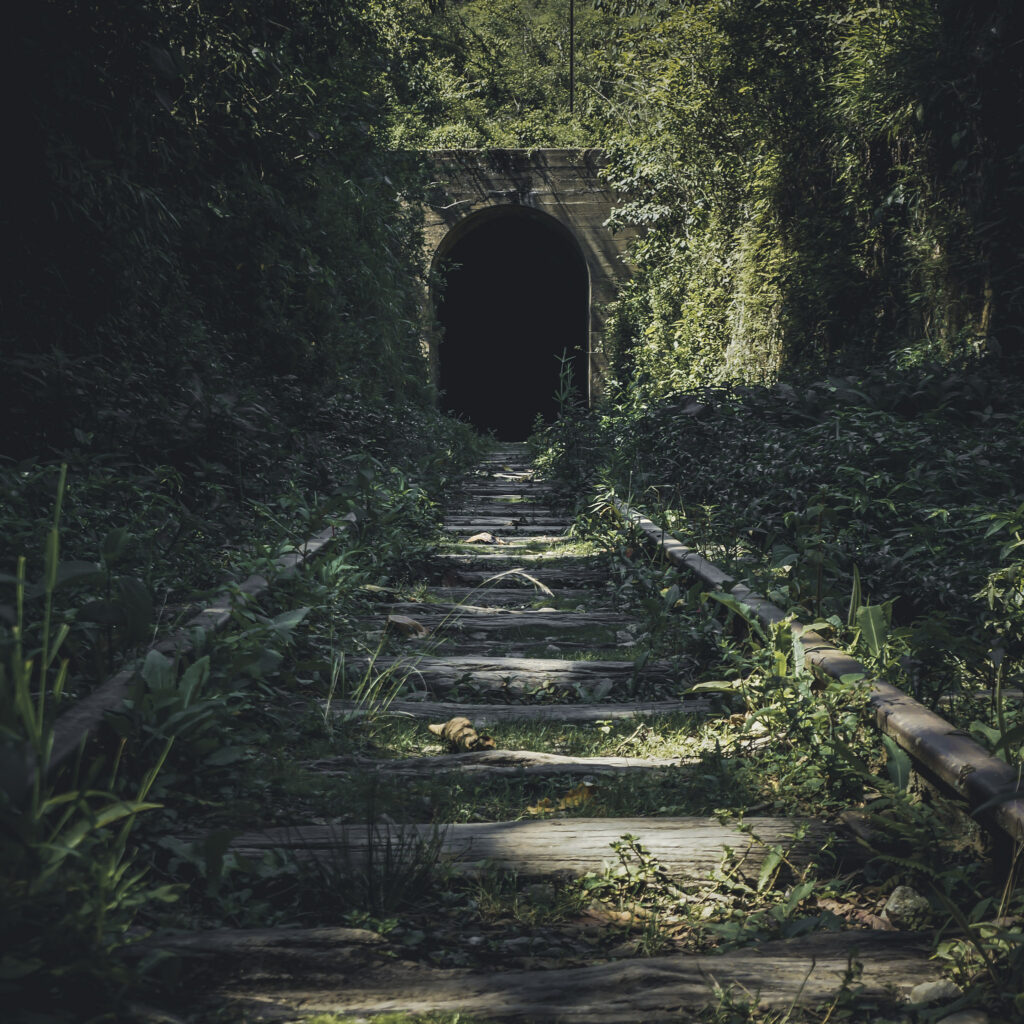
{"x":514,"y":299}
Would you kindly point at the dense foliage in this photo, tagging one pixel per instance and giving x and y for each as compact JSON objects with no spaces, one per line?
{"x":211,"y":317}
{"x":900,"y":492}
{"x":817,"y":183}
{"x":204,"y":207}
{"x":211,"y":304}
{"x":212,"y":296}
{"x":496,"y":73}
{"x":821,"y":183}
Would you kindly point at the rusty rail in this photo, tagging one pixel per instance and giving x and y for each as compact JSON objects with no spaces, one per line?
{"x":82,"y":719}
{"x":947,"y":754}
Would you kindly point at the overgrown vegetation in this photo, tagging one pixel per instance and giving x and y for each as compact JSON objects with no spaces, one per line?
{"x":816,"y":183}
{"x":212,"y":329}
{"x":884,"y":509}
{"x":211,"y":319}
{"x":905,"y":486}
{"x":820,"y":184}
{"x":496,"y":73}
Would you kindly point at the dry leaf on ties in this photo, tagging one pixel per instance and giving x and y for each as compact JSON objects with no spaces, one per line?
{"x":405,"y":625}
{"x":573,"y":798}
{"x":460,"y":735}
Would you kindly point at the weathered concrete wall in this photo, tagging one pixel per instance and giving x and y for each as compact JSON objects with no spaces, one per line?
{"x":469,"y":185}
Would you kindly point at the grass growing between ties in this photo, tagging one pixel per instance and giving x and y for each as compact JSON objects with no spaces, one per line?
{"x":260,"y":740}
{"x":91,"y":863}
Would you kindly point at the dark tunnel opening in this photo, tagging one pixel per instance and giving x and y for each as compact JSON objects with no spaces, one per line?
{"x":515,"y":298}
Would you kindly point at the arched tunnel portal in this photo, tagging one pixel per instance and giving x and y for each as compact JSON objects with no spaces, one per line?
{"x":514,"y":307}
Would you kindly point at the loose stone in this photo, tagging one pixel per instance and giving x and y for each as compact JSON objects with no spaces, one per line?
{"x":929,"y":992}
{"x":906,"y":908}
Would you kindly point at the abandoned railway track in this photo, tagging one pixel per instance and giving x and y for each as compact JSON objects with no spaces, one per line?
{"x":608,"y":854}
{"x":520,"y":629}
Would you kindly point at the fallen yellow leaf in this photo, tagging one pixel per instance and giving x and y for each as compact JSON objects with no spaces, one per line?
{"x":460,"y":735}
{"x":573,"y":798}
{"x":405,"y":625}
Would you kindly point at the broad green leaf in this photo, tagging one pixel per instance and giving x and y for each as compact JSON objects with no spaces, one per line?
{"x":193,"y":679}
{"x":287,"y":621}
{"x":780,"y":664}
{"x":874,"y":628}
{"x":1010,"y":738}
{"x":744,"y":611}
{"x":158,"y":671}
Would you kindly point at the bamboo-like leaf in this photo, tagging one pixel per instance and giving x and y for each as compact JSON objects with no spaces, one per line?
{"x":855,"y":599}
{"x":769,"y":866}
{"x":194,"y":679}
{"x":108,"y":815}
{"x":897,"y":763}
{"x":744,"y":611}
{"x":51,"y":559}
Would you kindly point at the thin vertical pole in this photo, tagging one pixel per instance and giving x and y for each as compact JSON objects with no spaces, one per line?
{"x":572,"y":56}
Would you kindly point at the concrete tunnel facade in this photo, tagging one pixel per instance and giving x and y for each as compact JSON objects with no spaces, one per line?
{"x":523,"y":263}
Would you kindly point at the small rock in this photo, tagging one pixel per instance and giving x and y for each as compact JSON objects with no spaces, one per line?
{"x":475,"y":940}
{"x":477,"y":636}
{"x":540,"y":892}
{"x":547,"y":609}
{"x":929,"y":992}
{"x":965,"y":1017}
{"x":581,"y":607}
{"x":623,"y":636}
{"x":906,"y":908}
{"x":552,"y":649}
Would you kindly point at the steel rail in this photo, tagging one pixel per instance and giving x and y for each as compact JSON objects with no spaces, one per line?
{"x":72,"y":728}
{"x":990,"y":786}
